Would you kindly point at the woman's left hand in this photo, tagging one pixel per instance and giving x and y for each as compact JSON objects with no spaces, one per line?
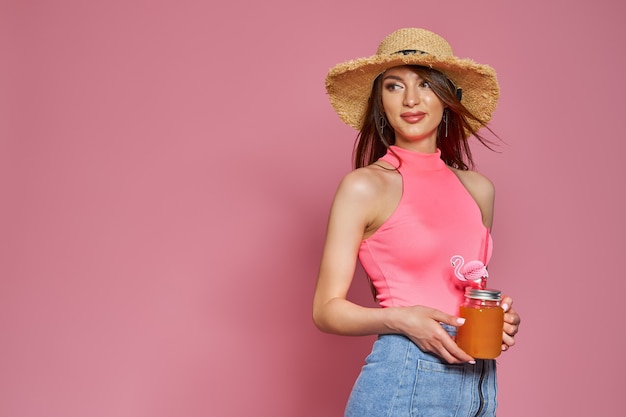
{"x":511,"y":323}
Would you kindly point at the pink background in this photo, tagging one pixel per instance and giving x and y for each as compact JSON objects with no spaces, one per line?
{"x":166,"y":169}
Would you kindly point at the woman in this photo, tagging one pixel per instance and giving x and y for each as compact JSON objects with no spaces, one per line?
{"x":409,"y":206}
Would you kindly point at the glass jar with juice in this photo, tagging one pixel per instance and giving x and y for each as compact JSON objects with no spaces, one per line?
{"x":481,"y":334}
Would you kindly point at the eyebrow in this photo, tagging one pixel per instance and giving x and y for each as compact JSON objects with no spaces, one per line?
{"x":393,"y":77}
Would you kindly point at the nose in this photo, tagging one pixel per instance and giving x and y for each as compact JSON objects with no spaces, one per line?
{"x":411,"y":97}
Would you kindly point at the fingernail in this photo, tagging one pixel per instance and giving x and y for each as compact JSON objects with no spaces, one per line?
{"x":460,"y":320}
{"x":472,"y":362}
{"x":505,"y":307}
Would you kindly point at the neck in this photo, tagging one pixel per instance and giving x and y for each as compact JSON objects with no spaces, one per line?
{"x":421,"y":146}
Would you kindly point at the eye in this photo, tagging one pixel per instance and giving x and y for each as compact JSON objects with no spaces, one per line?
{"x":392,"y":86}
{"x":425,"y":84}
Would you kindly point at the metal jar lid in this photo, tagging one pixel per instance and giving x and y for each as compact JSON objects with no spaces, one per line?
{"x":487,"y":295}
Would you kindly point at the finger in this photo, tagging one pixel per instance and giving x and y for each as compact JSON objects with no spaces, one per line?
{"x":446,"y":348}
{"x":510,"y":329}
{"x":454,"y":357}
{"x":457,"y":354}
{"x":457,"y":321}
{"x":438,"y":349}
{"x":507,"y":340}
{"x":506,"y":303}
{"x":512,"y":317}
{"x":442,"y":317}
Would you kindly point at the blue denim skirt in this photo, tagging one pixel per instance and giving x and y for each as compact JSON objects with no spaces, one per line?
{"x":400,"y":380}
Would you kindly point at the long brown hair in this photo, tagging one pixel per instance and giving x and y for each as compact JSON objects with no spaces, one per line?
{"x":372,"y":141}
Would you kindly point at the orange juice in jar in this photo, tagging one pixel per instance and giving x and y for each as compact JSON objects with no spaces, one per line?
{"x":481,"y":334}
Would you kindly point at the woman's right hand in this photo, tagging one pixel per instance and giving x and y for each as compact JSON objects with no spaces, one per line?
{"x":422,"y":326}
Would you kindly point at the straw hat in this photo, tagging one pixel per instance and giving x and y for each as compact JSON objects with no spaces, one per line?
{"x":349,"y":84}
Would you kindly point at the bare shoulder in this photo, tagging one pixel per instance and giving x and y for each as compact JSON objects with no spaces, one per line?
{"x":369,"y":195}
{"x":475,"y":182}
{"x":481,"y":189}
{"x":368,"y":182}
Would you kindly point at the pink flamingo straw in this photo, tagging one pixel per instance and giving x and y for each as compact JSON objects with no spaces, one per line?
{"x":473,"y":272}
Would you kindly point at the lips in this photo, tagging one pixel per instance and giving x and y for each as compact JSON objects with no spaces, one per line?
{"x":412,"y":117}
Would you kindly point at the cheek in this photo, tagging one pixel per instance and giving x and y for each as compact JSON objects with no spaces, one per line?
{"x":390,"y":103}
{"x":435,"y":104}
{"x":385,"y":102}
{"x":432,"y":99}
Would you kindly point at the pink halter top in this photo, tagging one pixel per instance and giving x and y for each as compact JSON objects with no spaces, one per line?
{"x":408,"y":257}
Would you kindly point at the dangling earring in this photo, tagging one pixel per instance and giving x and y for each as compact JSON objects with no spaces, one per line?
{"x":382,"y":123}
{"x":445,"y":121}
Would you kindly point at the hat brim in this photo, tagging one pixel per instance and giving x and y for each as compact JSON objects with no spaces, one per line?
{"x":349,"y":84}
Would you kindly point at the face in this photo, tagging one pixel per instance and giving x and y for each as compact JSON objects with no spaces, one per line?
{"x":412,"y":108}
